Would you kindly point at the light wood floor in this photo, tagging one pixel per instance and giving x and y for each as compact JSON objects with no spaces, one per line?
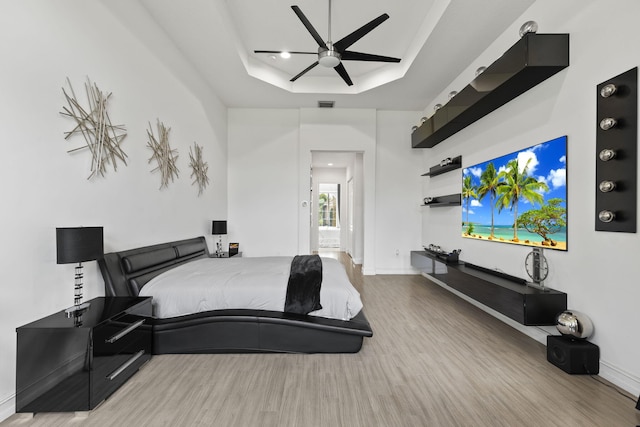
{"x":434,"y":360}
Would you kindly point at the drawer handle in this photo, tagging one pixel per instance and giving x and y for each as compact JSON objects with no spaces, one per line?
{"x":124,"y":332}
{"x":125,"y":365}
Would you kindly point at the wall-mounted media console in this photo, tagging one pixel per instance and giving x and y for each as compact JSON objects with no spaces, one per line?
{"x":530,"y":61}
{"x":505,"y":294}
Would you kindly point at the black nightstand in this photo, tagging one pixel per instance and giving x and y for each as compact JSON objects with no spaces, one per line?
{"x":67,"y":364}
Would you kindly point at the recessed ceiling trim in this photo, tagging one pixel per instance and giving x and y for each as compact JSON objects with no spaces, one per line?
{"x":330,"y":84}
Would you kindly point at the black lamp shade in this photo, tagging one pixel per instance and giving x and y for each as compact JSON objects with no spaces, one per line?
{"x":79,"y":244}
{"x":219,"y":227}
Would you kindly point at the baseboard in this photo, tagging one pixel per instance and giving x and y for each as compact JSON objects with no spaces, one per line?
{"x":616,"y":376}
{"x":368,"y":271}
{"x":621,"y":379}
{"x":7,"y":407}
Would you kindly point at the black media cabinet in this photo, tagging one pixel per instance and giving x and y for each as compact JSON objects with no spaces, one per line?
{"x":528,"y":305}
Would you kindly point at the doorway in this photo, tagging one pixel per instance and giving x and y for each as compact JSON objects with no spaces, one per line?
{"x":336,"y":211}
{"x":328,"y":204}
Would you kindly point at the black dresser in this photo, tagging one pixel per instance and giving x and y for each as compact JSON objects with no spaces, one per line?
{"x":74,"y":363}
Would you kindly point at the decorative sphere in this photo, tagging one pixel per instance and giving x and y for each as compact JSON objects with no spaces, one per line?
{"x":608,"y":90}
{"x":480,"y":70}
{"x":607,"y":154}
{"x":414,"y":128}
{"x":528,"y":27}
{"x":574,"y":323}
{"x":607,"y":186}
{"x":606,"y":216}
{"x":453,"y":93}
{"x":437,"y":107}
{"x":608,"y":123}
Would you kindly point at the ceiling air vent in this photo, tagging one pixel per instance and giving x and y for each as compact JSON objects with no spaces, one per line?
{"x":326,"y":104}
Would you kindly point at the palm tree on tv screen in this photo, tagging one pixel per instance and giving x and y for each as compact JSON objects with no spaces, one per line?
{"x":489,"y":181}
{"x":468,"y":191}
{"x":516,"y":185}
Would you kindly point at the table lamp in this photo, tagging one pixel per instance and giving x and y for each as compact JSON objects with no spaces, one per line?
{"x":78,"y":244}
{"x":219,"y":228}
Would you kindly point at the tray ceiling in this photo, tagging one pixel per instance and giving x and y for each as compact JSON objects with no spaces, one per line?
{"x":436,"y":40}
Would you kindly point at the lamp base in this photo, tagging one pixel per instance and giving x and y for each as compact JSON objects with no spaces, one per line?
{"x":219,"y":247}
{"x":77,"y":310}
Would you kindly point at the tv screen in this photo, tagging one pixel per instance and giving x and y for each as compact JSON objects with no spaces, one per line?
{"x":519,"y":198}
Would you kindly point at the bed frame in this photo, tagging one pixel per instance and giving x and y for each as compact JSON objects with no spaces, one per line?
{"x":224,"y":331}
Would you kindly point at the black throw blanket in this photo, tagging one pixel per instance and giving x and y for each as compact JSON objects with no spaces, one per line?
{"x":303,"y":289}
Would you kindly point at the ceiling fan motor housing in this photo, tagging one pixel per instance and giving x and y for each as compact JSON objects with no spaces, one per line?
{"x":328,"y":57}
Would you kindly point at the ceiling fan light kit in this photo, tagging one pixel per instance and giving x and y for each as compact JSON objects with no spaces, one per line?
{"x":331,"y":54}
{"x":329,"y":58}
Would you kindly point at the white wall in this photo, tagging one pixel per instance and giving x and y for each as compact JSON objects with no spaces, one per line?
{"x":355,"y":174}
{"x":398,"y":192}
{"x":270,"y":171}
{"x":263,"y":181}
{"x":267,"y":148}
{"x":599,"y":271}
{"x":44,"y":187}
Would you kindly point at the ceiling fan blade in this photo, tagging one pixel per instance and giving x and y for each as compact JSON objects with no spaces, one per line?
{"x":309,"y":27}
{"x":349,"y":55}
{"x":343,"y":73}
{"x":280,"y":51}
{"x":347,"y":41}
{"x":294,"y":78}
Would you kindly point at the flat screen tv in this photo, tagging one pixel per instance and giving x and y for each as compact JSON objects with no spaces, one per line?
{"x":519,"y":198}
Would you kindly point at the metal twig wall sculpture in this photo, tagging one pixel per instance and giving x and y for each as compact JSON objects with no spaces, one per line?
{"x":102,"y":137}
{"x":199,"y":168}
{"x":163,"y":154}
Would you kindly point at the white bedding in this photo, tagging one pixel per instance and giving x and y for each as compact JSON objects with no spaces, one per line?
{"x":258,"y":283}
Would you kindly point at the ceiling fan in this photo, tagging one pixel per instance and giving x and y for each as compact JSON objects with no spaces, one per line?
{"x":331,"y":54}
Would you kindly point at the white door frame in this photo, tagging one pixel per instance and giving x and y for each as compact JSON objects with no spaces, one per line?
{"x":340,"y":130}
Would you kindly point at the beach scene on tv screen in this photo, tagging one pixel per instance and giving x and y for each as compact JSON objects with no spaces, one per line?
{"x":519,"y":198}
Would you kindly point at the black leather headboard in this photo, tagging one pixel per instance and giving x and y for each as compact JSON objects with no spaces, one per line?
{"x":126,"y":272}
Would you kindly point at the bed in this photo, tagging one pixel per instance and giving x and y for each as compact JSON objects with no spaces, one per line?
{"x":217,"y":325}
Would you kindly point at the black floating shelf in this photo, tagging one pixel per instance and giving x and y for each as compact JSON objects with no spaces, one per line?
{"x":449,"y":200}
{"x":532,"y":60}
{"x":456,"y":163}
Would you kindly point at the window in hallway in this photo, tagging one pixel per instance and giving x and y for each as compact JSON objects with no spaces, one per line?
{"x":329,"y":215}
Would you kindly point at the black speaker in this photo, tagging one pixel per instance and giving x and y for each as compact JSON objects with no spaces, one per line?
{"x":572,"y":355}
